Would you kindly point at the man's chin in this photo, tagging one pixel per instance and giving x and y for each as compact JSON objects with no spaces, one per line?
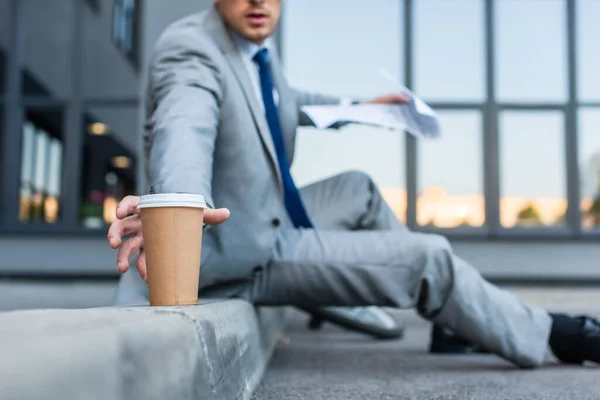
{"x":257,"y":35}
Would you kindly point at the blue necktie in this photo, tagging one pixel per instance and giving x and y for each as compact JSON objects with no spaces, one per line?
{"x":293,"y":202}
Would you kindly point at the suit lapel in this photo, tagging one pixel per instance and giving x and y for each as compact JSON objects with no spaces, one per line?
{"x":221,"y":36}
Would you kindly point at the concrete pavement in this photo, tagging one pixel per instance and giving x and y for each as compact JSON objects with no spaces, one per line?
{"x":336,"y":364}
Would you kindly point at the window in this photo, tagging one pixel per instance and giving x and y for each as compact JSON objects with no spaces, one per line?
{"x":4,"y":38}
{"x":589,"y":166}
{"x":340,"y":49}
{"x":377,"y":152}
{"x":2,"y":138}
{"x":450,"y":192}
{"x":47,"y":46}
{"x":588,"y":61}
{"x":125,"y":28}
{"x":449,"y":44}
{"x":41,"y":166}
{"x":2,"y":74}
{"x":340,"y":52}
{"x":532,"y":168}
{"x":94,"y":4}
{"x":105,"y":72}
{"x":4,"y":31}
{"x":531,"y":51}
{"x":109,"y":166}
{"x":2,"y":103}
{"x":46,"y":102}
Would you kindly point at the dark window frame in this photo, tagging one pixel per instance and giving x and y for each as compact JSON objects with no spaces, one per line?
{"x":133,"y":54}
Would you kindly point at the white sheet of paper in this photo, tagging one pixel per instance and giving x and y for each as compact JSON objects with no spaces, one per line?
{"x":416,"y":117}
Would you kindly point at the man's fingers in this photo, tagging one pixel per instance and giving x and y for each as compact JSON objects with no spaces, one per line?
{"x":398,"y":98}
{"x":216,"y":217}
{"x":392,"y":98}
{"x":123,"y":227}
{"x":128,"y":206}
{"x":141,"y":265}
{"x":127,"y":250}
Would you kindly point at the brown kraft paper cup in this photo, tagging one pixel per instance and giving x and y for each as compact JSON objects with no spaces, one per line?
{"x":172,"y":228}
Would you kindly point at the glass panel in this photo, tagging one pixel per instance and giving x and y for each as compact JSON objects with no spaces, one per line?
{"x":449,"y":44}
{"x":340,"y":49}
{"x":106,"y":73}
{"x":588,"y":61}
{"x":94,"y":4}
{"x":589,"y":166}
{"x":532,"y":169}
{"x":41,"y":166}
{"x":2,"y":73}
{"x":4,"y":30}
{"x":47,"y":36}
{"x":450,"y":192}
{"x":124,"y":27}
{"x":2,"y":124}
{"x":340,"y":52}
{"x":109,"y":163}
{"x":531,"y":50}
{"x":377,"y":152}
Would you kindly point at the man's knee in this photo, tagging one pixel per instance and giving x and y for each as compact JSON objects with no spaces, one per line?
{"x":358,"y":178}
{"x":360,"y":183}
{"x":437,"y":273}
{"x":435,"y":244}
{"x":437,"y":253}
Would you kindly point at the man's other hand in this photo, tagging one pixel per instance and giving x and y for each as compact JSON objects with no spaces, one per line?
{"x":392,"y":98}
{"x":129,"y":223}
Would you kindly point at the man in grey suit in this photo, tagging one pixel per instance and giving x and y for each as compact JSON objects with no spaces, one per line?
{"x":221,"y":123}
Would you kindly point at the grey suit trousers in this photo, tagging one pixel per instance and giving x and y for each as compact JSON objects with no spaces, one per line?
{"x":360,"y":254}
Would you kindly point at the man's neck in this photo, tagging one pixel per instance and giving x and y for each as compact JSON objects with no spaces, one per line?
{"x":247,"y":47}
{"x":245,"y":40}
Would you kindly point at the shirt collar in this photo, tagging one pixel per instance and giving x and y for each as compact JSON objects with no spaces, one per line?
{"x":248,"y":48}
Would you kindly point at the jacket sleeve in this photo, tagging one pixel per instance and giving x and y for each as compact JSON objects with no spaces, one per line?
{"x":185,"y":89}
{"x":315,"y":99}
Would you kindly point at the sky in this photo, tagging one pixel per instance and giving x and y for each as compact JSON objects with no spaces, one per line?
{"x":337,"y":47}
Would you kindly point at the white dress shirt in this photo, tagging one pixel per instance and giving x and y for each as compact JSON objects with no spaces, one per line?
{"x":249,"y":50}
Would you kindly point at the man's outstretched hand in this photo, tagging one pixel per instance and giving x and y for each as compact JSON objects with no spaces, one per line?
{"x":392,"y":98}
{"x":129,"y":223}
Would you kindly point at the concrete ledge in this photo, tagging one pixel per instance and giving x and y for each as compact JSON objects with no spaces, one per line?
{"x":216,"y":350}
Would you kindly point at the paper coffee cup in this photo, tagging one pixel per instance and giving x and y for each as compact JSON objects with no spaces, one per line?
{"x":172,"y":227}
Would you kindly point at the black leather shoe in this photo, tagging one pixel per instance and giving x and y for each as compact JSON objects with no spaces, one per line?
{"x":581,"y":347}
{"x":445,"y":341}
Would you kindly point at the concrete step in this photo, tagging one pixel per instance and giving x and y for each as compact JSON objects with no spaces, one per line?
{"x":216,"y":350}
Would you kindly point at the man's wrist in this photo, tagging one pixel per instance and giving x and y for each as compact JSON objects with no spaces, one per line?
{"x":348,"y":101}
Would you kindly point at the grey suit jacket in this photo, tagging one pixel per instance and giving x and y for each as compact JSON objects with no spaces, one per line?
{"x":206,"y":133}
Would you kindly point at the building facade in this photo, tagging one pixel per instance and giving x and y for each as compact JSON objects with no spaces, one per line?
{"x":71,"y":84}
{"x":513,"y":182}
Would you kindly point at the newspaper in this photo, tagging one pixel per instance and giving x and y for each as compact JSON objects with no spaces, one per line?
{"x":414,"y":117}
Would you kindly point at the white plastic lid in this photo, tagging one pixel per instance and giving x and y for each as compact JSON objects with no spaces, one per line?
{"x":172,"y":200}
